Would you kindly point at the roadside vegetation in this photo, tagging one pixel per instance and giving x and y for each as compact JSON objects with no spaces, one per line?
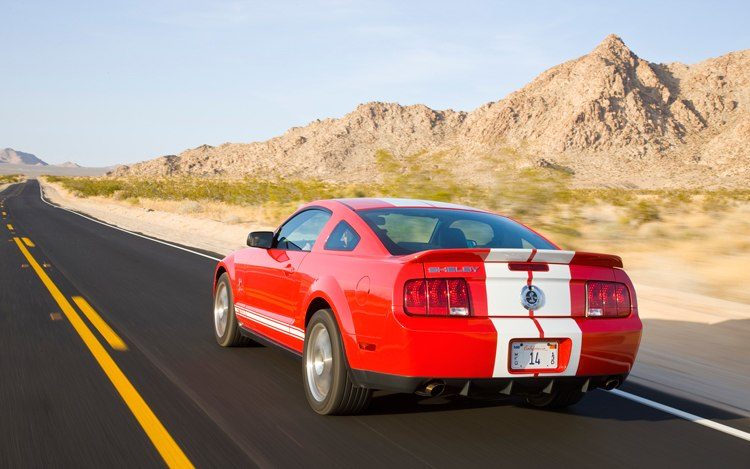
{"x":10,"y":178}
{"x":702,"y":238}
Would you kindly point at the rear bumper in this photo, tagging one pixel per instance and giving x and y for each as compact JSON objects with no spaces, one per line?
{"x":517,"y":386}
{"x":414,"y":350}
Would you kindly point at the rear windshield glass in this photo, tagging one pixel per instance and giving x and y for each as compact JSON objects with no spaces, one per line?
{"x":410,"y":230}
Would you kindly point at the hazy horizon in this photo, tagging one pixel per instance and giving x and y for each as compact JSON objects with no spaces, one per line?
{"x":119,"y":82}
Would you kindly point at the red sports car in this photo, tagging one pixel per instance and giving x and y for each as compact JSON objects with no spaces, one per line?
{"x":428,"y":297}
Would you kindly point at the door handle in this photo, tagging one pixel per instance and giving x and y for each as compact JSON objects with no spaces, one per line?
{"x":288,"y":269}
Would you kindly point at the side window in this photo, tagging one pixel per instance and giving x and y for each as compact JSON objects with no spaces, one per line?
{"x":300,"y":233}
{"x":342,"y":238}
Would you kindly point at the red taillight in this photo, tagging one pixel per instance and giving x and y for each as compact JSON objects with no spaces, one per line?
{"x":415,"y":296}
{"x":607,"y":299}
{"x":437,"y":297}
{"x":458,"y":297}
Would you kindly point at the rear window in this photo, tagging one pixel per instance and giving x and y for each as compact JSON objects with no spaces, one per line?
{"x":410,"y":230}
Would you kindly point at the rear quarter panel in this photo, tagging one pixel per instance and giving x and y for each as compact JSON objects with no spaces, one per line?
{"x":358,"y":284}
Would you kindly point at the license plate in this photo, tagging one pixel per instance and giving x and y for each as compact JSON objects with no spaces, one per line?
{"x":530,"y":355}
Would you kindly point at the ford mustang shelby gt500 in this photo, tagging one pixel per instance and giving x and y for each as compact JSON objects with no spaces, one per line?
{"x":427,"y":297}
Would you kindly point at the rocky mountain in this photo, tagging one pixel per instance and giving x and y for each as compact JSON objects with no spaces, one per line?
{"x":11,"y":156}
{"x":608,"y":118}
{"x":68,"y":164}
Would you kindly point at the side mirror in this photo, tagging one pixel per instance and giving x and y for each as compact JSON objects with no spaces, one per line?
{"x":260,"y":239}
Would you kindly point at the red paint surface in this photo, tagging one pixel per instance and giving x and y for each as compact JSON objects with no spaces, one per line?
{"x":282,"y":285}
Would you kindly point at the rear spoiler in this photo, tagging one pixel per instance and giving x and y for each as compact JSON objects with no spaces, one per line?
{"x":546,"y":256}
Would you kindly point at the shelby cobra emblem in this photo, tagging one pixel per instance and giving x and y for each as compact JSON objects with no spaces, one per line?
{"x":532,"y":297}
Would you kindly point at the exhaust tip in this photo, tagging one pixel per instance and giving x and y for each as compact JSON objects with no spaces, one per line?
{"x":610,"y":384}
{"x":432,"y":389}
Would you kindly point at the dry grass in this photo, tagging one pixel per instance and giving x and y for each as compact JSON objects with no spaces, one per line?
{"x":694,"y":240}
{"x":10,"y":178}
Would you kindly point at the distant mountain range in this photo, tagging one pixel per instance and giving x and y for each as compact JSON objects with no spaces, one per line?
{"x":18,"y":162}
{"x":69,"y":164}
{"x":11,"y":156}
{"x":606,"y":118}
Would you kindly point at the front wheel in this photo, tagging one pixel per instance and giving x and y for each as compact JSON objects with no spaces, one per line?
{"x":328,"y":388}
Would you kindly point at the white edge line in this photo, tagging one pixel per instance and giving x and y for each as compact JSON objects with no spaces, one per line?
{"x":684,"y":415}
{"x":41,"y":196}
{"x":641,"y":400}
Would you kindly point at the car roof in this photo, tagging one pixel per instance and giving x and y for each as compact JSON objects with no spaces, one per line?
{"x":366,"y":203}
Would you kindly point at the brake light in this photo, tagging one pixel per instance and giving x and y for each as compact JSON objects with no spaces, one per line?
{"x":607,"y":299}
{"x":415,"y":297}
{"x":437,"y":297}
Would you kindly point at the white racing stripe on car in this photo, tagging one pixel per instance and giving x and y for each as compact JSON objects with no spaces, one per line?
{"x":508,"y":255}
{"x":504,"y":286}
{"x":524,"y":328}
{"x":405,"y":202}
{"x":553,"y":256}
{"x":508,"y":329}
{"x":504,"y":290}
{"x":564,"y":328}
{"x":555,"y":284}
{"x":397,"y":202}
{"x":450,"y":205}
{"x":279,"y":326}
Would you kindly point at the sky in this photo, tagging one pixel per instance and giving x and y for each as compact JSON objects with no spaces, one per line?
{"x":108,"y":82}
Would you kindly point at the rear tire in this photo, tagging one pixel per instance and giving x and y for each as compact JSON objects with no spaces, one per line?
{"x":558,"y":399}
{"x":328,"y":387}
{"x":226,"y":328}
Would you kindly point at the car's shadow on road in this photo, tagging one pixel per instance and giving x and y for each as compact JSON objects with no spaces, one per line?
{"x":597,"y":404}
{"x":387,"y":403}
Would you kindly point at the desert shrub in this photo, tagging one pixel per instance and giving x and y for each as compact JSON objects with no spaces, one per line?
{"x":641,"y":212}
{"x":9,"y":178}
{"x":718,"y":201}
{"x":679,"y":197}
{"x":190,"y":206}
{"x":531,"y":194}
{"x":88,"y":187}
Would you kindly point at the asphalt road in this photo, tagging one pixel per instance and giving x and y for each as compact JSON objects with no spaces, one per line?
{"x":59,"y":406}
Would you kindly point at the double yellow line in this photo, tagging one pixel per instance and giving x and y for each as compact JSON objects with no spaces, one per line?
{"x":161,"y":439}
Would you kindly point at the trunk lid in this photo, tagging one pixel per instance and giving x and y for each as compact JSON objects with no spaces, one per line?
{"x":521,"y":282}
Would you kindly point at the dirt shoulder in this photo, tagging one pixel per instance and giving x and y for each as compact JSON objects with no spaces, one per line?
{"x":186,"y":229}
{"x":693,"y":345}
